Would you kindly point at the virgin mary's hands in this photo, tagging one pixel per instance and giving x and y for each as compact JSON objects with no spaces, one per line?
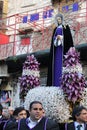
{"x":59,"y":37}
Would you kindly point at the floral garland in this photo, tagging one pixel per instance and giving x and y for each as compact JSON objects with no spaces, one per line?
{"x":30,"y":75}
{"x":73,"y":81}
{"x":71,"y":58}
{"x":53,"y":100}
{"x":73,"y":85}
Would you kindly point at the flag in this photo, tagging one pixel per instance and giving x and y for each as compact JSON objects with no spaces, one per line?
{"x":25,"y":19}
{"x":34,"y":17}
{"x":75,"y":7}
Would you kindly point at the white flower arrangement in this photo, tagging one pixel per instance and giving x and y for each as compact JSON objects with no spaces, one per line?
{"x":74,"y":68}
{"x":30,"y":76}
{"x":53,"y":100}
{"x":28,"y":72}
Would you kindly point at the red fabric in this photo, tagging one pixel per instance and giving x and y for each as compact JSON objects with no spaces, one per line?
{"x":4,"y":39}
{"x":25,"y":41}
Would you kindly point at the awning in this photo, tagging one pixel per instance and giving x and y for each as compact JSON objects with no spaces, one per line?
{"x":4,"y":39}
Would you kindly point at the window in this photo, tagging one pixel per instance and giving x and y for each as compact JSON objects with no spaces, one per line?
{"x":25,"y":41}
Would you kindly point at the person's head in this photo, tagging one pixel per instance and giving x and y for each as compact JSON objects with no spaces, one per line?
{"x":43,"y":112}
{"x":1,"y":109}
{"x":19,"y":113}
{"x":79,"y":114}
{"x":36,"y":110}
{"x":59,"y":19}
{"x":10,"y":110}
{"x":5,"y":114}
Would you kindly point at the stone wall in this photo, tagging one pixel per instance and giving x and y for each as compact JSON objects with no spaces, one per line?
{"x":43,"y":74}
{"x":84,"y":65}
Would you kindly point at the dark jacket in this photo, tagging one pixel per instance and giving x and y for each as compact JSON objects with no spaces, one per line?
{"x":2,"y":122}
{"x":44,"y":124}
{"x":70,"y":126}
{"x":11,"y":124}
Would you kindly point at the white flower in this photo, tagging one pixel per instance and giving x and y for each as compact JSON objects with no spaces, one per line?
{"x":74,"y":68}
{"x":84,"y":98}
{"x":28,"y":72}
{"x":53,"y":100}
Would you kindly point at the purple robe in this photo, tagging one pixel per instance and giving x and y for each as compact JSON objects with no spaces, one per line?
{"x":57,"y":60}
{"x":56,"y":55}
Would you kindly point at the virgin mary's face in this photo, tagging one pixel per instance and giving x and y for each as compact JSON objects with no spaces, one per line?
{"x":59,"y":20}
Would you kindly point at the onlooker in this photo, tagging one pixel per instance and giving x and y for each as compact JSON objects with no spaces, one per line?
{"x":12,"y":123}
{"x":5,"y":114}
{"x":79,"y":116}
{"x":37,"y":120}
{"x":1,"y":108}
{"x":10,"y":111}
{"x":19,"y":113}
{"x":2,"y":118}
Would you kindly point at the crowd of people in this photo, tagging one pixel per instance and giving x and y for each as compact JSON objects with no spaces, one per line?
{"x":36,"y":119}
